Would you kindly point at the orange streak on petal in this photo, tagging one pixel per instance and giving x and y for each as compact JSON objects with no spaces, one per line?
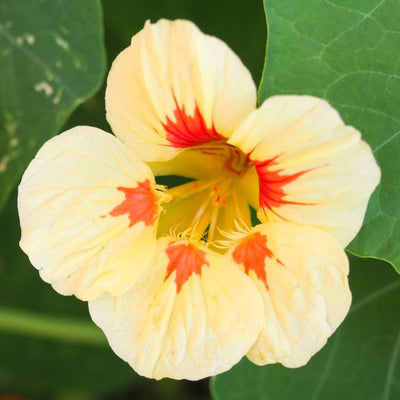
{"x":252,"y":252}
{"x":272,"y":183}
{"x":187,"y":130}
{"x":185,"y":260}
{"x":140,"y":204}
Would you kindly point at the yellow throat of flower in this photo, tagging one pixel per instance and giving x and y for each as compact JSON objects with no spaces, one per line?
{"x":208,"y":207}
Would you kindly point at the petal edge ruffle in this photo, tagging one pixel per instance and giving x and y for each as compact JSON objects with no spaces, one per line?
{"x":301,"y":274}
{"x":81,"y":225}
{"x":183,"y":324}
{"x":175,"y":87}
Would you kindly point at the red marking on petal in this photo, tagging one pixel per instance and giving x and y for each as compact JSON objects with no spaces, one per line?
{"x":272,"y":183}
{"x":188,"y":130}
{"x":280,"y":262}
{"x":252,"y":252}
{"x":185,"y":260}
{"x":140,"y":204}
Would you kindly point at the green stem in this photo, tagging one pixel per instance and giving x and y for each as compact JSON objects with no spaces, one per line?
{"x":60,"y":329}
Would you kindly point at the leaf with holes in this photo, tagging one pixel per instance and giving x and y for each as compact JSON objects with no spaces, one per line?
{"x":347,"y":51}
{"x":52,"y":59}
{"x":361,"y":360}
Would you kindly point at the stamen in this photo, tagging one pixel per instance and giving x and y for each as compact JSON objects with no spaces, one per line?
{"x":188,"y":235}
{"x":211,"y":202}
{"x":222,"y":193}
{"x":162,"y":195}
{"x":241,"y":226}
{"x":222,"y":244}
{"x":201,"y":216}
{"x":233,"y":235}
{"x":173,"y":232}
{"x":213,"y":222}
{"x":190,"y":188}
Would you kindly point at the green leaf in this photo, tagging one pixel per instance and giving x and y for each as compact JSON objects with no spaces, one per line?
{"x":361,"y":360}
{"x":48,"y":344}
{"x":52,"y":59}
{"x":347,"y":51}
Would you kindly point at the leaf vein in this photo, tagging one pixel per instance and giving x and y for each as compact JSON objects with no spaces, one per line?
{"x":372,"y":296}
{"x":391,"y":369}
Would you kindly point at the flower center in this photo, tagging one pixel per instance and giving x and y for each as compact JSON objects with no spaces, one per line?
{"x":204,"y":208}
{"x":237,"y":163}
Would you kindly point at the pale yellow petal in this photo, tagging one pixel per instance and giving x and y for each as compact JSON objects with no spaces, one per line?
{"x":313,"y":169}
{"x":183,"y":324}
{"x":76,"y":227}
{"x":195,"y":163}
{"x":175,"y":87}
{"x":301,"y":274}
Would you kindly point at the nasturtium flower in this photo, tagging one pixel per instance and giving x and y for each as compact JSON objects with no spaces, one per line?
{"x":179,"y":280}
